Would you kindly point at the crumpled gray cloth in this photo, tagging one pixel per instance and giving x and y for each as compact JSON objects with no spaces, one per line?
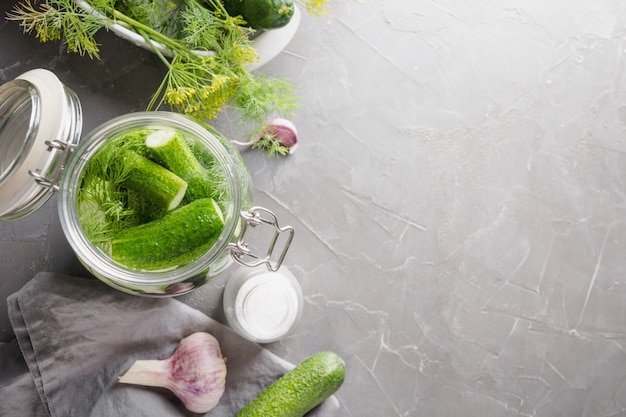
{"x":76,"y":336}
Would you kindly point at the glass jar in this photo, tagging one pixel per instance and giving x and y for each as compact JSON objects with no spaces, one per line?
{"x":40,"y":124}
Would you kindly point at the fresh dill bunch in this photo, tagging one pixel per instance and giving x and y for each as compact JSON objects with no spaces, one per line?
{"x":199,"y":85}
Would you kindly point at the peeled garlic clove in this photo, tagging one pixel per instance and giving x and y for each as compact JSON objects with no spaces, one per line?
{"x":195,"y":373}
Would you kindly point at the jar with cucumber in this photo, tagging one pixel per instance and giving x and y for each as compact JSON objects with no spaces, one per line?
{"x":153,"y":204}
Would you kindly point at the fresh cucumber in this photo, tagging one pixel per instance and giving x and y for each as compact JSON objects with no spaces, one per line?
{"x":171,"y":150}
{"x":261,"y":14}
{"x":157,"y":184}
{"x":176,"y":238}
{"x":300,"y":390}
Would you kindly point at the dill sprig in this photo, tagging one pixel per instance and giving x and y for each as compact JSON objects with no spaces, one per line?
{"x":260,"y":96}
{"x":102,"y":201}
{"x":59,"y":19}
{"x":271,"y":146}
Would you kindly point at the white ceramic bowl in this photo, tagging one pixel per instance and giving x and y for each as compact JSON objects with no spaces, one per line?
{"x":268,"y":44}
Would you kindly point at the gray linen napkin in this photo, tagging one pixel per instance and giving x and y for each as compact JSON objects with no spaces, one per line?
{"x":76,"y":336}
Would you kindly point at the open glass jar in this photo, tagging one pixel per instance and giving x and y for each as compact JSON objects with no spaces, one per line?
{"x":40,"y":154}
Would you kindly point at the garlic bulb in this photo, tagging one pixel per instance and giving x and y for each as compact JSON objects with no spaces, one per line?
{"x":195,"y":373}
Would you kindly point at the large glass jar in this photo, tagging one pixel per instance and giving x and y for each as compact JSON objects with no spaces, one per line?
{"x":42,"y":153}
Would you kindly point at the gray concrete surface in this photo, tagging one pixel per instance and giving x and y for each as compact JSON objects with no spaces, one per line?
{"x":459,"y":199}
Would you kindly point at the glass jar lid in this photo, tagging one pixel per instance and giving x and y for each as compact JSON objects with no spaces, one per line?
{"x":40,"y":123}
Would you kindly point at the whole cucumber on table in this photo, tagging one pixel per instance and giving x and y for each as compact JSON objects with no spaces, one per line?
{"x":176,"y":238}
{"x":300,"y":390}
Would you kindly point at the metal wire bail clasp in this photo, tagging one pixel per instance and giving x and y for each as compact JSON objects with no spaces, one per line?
{"x":258,"y":216}
{"x":52,"y":180}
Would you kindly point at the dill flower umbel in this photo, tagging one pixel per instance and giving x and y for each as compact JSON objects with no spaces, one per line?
{"x":317,"y":8}
{"x":196,"y":86}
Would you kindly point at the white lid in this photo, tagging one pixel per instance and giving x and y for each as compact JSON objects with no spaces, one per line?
{"x":261,"y":305}
{"x":39,"y":118}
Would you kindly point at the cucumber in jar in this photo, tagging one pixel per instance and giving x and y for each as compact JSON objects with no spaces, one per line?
{"x":170,"y":149}
{"x":160,"y":186}
{"x":177,"y":238}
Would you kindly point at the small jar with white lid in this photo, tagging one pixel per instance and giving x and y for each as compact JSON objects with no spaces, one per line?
{"x":261,"y":305}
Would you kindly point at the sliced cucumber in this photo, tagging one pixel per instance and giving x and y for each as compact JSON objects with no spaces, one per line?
{"x":177,"y":238}
{"x":300,"y":390}
{"x":158,"y":185}
{"x":171,"y":150}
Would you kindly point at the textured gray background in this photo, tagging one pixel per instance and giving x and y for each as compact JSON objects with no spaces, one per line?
{"x":459,"y":199}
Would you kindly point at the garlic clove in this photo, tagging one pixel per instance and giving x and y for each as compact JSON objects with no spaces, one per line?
{"x":283,"y":131}
{"x":278,"y":137}
{"x":195,"y":373}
